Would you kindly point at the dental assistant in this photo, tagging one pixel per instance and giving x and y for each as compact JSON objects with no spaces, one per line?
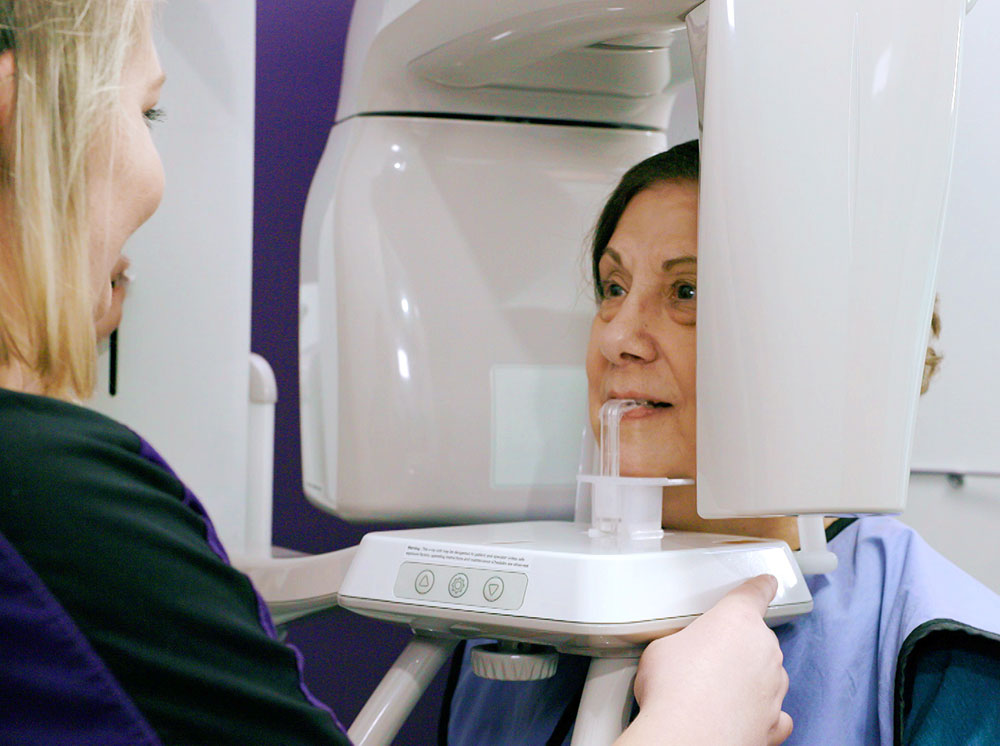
{"x":901,"y":647}
{"x":121,"y":621}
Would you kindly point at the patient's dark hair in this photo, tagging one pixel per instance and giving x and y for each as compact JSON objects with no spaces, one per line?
{"x":680,"y":163}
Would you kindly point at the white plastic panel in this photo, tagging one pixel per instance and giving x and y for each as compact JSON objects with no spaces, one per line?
{"x":958,"y":420}
{"x":517,"y":58}
{"x":826,"y":156}
{"x":184,"y":343}
{"x":958,"y":425}
{"x":534,"y":408}
{"x":435,"y":251}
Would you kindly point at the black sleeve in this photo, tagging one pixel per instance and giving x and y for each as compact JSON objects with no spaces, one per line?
{"x":109,"y":533}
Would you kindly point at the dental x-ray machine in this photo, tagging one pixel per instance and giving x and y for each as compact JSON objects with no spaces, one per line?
{"x":444,"y":313}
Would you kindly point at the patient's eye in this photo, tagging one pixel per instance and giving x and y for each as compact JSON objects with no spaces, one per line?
{"x":683,"y":301}
{"x":611,"y":289}
{"x":685,"y":291}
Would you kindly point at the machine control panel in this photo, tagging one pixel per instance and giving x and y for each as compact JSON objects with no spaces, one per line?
{"x":468,"y":586}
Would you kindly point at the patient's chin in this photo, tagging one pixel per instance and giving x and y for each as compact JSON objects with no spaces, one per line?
{"x":643,"y":465}
{"x":645,"y":462}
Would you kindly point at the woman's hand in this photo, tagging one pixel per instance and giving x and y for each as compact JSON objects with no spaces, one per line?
{"x":119,"y":284}
{"x":718,"y":681}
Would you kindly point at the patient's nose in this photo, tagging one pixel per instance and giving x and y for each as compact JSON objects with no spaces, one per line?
{"x":626,"y":337}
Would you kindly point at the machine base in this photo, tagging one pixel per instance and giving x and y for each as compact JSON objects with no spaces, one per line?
{"x":551,"y":583}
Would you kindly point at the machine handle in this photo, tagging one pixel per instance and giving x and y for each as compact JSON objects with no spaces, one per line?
{"x":390,"y":704}
{"x":296,"y":586}
{"x":606,"y":703}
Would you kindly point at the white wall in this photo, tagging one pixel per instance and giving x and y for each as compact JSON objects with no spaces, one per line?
{"x":184,"y":344}
{"x":958,"y":427}
{"x":963,"y":523}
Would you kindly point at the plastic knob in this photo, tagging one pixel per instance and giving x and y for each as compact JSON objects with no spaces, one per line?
{"x":514,"y":661}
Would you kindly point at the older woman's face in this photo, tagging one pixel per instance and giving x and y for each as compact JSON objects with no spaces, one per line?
{"x":642,"y":341}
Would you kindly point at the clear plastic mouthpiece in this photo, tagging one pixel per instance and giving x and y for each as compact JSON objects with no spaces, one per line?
{"x":623,"y":507}
{"x":611,"y":417}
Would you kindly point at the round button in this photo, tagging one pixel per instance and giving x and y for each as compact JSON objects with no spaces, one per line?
{"x":424,"y":581}
{"x":459,"y":585}
{"x":493,"y":589}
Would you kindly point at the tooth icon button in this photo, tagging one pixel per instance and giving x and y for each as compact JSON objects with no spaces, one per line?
{"x":493,"y":589}
{"x":458,"y":585}
{"x":424,"y":582}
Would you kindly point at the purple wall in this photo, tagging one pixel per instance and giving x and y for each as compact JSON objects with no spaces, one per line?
{"x":300,"y":46}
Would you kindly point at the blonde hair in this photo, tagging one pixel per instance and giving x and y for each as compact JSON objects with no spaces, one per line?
{"x":69,"y":56}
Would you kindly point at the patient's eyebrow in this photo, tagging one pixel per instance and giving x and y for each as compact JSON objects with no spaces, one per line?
{"x":668,"y":265}
{"x":608,"y":251}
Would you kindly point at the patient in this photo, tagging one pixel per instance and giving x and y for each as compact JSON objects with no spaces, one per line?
{"x":121,"y":620}
{"x":901,"y":647}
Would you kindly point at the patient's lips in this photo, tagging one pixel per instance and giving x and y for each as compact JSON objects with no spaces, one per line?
{"x":651,"y":405}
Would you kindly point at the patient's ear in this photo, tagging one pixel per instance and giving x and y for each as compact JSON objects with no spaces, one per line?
{"x":8,"y":88}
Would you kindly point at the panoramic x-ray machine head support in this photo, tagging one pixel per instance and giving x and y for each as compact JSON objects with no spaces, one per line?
{"x":444,"y":312}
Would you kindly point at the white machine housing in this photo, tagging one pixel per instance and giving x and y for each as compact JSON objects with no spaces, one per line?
{"x":826,"y":161}
{"x":443,"y":326}
{"x":444,"y":317}
{"x":445,"y":304}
